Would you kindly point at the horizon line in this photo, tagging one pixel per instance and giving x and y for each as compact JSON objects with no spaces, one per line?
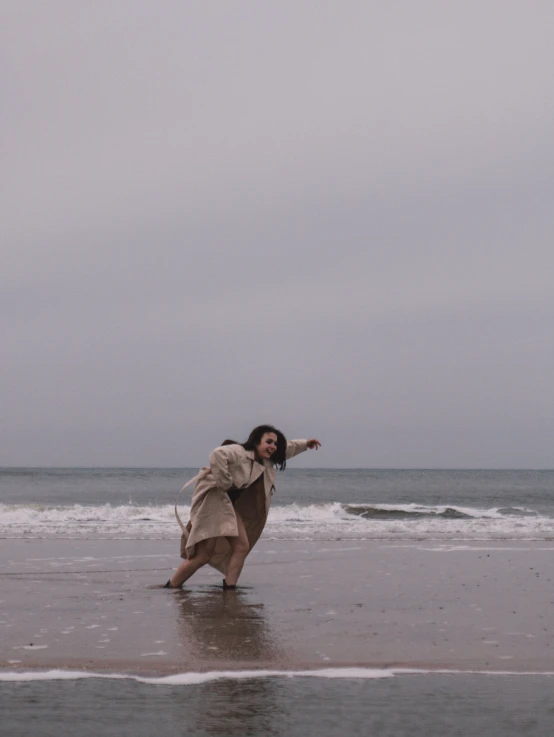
{"x":304,"y":468}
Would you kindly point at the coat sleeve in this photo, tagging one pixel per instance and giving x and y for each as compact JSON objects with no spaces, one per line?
{"x":220,"y":459}
{"x":294,"y":447}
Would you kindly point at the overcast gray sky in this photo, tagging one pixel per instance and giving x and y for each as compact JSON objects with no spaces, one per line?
{"x":333,"y":216}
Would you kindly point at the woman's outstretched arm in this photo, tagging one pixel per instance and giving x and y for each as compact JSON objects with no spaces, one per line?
{"x":294,"y":447}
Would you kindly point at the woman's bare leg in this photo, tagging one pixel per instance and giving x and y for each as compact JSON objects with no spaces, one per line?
{"x":204,"y":551}
{"x":239,"y":550}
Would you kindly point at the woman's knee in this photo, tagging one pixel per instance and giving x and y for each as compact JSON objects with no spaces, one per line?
{"x":200,"y":559}
{"x":204,"y":552}
{"x":240,"y":546}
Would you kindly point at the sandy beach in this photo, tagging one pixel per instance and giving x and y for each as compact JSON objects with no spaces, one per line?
{"x":98,"y":605}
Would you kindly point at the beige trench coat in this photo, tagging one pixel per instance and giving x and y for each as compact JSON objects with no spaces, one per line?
{"x":212,"y":513}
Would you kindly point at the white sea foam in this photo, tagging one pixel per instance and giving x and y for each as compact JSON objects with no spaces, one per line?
{"x":193,"y":679}
{"x":324,"y":521}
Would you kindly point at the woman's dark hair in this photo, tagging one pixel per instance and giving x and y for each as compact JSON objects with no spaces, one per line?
{"x":279,"y":458}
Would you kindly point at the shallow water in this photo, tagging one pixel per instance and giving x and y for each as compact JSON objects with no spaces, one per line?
{"x":407,"y":705}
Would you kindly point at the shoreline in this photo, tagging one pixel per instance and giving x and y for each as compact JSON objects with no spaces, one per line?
{"x":175,"y":678}
{"x":98,"y":607}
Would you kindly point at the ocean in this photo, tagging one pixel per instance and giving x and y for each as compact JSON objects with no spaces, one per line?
{"x":323,"y":504}
{"x":413,"y":507}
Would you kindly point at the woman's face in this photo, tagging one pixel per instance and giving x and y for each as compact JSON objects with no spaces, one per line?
{"x":267,"y":446}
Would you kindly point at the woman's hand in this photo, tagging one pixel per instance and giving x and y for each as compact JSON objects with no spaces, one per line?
{"x":313,"y":443}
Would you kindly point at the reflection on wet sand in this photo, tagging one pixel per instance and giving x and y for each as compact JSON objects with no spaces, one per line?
{"x":231,"y":627}
{"x":226,"y":625}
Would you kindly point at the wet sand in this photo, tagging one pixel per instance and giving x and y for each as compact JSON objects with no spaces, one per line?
{"x":98,"y":605}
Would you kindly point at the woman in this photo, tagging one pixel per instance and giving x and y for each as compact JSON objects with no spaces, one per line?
{"x":231,"y":502}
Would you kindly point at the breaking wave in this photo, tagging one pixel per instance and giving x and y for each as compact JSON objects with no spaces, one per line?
{"x":324,"y":521}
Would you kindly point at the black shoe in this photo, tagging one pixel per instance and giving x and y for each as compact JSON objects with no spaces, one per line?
{"x":228,"y":587}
